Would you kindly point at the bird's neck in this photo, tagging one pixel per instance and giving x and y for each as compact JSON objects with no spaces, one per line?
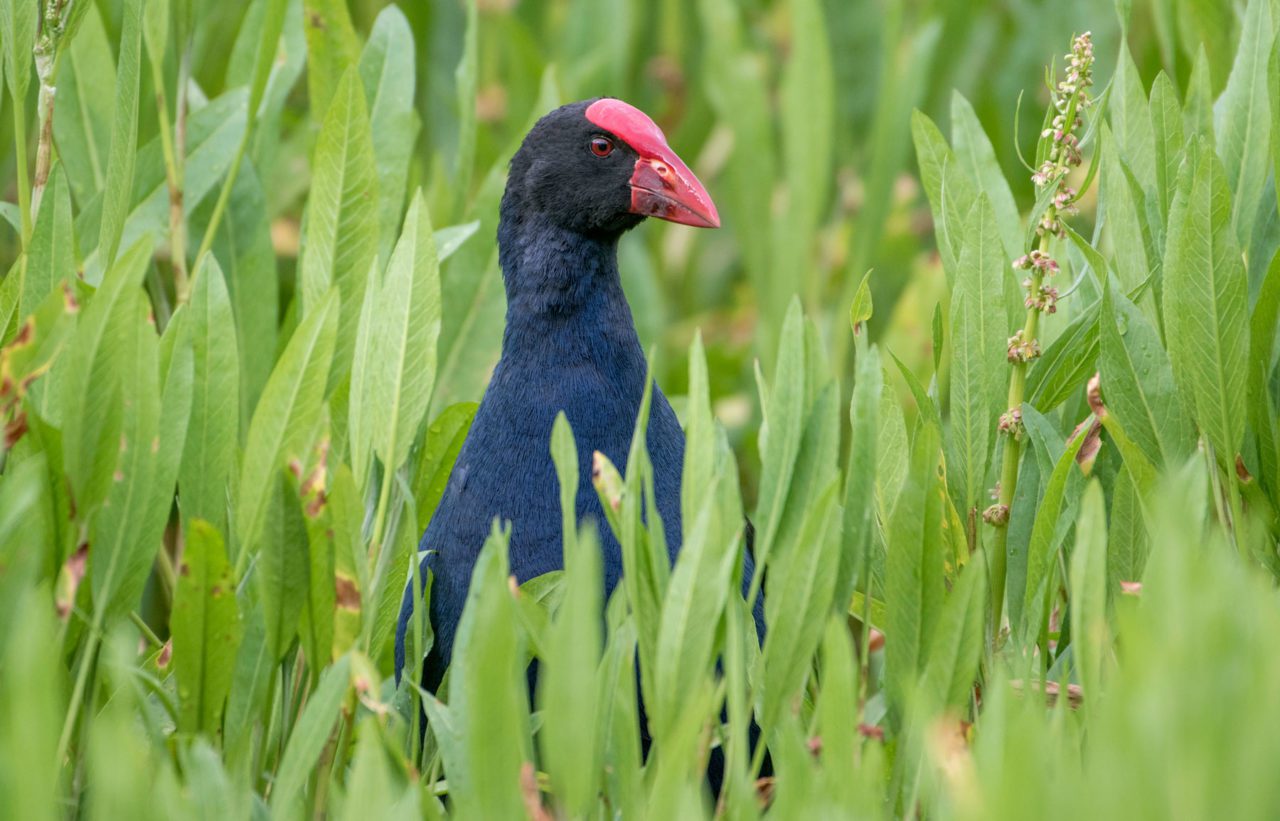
{"x":564,"y":294}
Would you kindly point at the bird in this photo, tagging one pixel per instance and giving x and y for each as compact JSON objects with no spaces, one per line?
{"x":585,"y":174}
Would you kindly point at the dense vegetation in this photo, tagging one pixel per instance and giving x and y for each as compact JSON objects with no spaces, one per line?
{"x":1015,"y":490}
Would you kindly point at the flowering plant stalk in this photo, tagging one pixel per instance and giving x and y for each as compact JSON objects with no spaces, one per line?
{"x":1058,"y":154}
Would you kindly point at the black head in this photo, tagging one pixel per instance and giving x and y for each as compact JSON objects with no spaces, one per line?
{"x":598,"y":167}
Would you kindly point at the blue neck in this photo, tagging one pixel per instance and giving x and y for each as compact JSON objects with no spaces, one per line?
{"x":565,"y":302}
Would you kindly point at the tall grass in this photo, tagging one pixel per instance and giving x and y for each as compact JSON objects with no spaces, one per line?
{"x":1019,"y":540}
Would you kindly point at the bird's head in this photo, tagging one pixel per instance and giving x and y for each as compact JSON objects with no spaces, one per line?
{"x":599,"y":167}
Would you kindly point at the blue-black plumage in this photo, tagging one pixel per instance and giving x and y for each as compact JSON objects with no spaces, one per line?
{"x":585,"y":174}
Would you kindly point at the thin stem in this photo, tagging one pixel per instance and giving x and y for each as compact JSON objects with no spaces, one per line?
{"x":24,"y":181}
{"x":173,"y":177}
{"x":146,"y":631}
{"x":77,"y":692}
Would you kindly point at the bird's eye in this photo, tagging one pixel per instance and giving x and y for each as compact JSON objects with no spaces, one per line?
{"x":602,"y":146}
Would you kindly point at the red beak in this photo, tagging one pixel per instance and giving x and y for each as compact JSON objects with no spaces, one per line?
{"x":662,"y":185}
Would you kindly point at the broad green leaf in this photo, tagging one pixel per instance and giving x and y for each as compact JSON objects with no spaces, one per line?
{"x":1262,"y":417}
{"x":1197,"y":110}
{"x":949,"y":188}
{"x":86,"y":98}
{"x":914,"y":588}
{"x":360,"y":411}
{"x":567,"y":682}
{"x":206,"y":629}
{"x":1090,"y":635}
{"x":951,"y":661}
{"x":250,"y":680}
{"x":1123,"y":219}
{"x":51,"y":253}
{"x":979,"y":341}
{"x":308,"y":739}
{"x":272,"y":23}
{"x":860,"y":478}
{"x":1041,"y":567}
{"x":801,"y":585}
{"x":155,"y":30}
{"x":332,"y":51}
{"x":124,"y":544}
{"x":282,"y":569}
{"x":978,"y":158}
{"x":785,"y":420}
{"x":290,"y":406}
{"x":342,"y":216}
{"x":1206,"y":303}
{"x":1127,"y":540}
{"x":1131,"y":121}
{"x":118,"y":185}
{"x":387,"y":73}
{"x":318,"y":614}
{"x":1242,"y":119}
{"x":404,"y":339}
{"x":893,"y":449}
{"x":700,"y":436}
{"x":213,"y":435}
{"x":1137,"y":382}
{"x":243,"y":248}
{"x":91,"y":403}
{"x":18,"y":36}
{"x":484,"y":731}
{"x":440,"y":448}
{"x":1166,"y":123}
{"x":1067,"y":363}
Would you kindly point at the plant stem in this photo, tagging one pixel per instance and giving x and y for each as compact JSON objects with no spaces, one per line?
{"x":24,"y":181}
{"x":1013,"y":453}
{"x":173,"y":176}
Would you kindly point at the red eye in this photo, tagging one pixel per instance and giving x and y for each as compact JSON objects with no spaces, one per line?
{"x":602,"y":146}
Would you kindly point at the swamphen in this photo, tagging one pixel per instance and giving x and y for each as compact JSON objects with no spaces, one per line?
{"x":587,"y":173}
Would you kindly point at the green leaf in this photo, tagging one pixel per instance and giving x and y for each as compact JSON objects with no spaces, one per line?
{"x":1137,"y":382}
{"x":319,"y":610}
{"x":91,"y":395}
{"x":914,"y":589}
{"x":440,"y":449}
{"x":1067,"y":363}
{"x":951,"y":663}
{"x":1242,"y":119}
{"x":213,"y":435}
{"x":250,"y":680}
{"x":1123,"y":219}
{"x":342,"y":216}
{"x":51,"y":253}
{"x":1127,"y":540}
{"x":1090,"y":636}
{"x":86,"y":98}
{"x":1131,"y":121}
{"x":567,"y":682}
{"x":308,"y":739}
{"x":1206,"y":303}
{"x":978,"y":359}
{"x":860,"y":478}
{"x":465,"y":79}
{"x":387,"y":73}
{"x":484,"y":732}
{"x":243,"y":248}
{"x":801,"y":585}
{"x":18,"y":34}
{"x":1041,"y":567}
{"x":206,"y":629}
{"x":124,"y":543}
{"x":124,"y":135}
{"x":282,"y":568}
{"x":950,"y":190}
{"x":332,"y":51}
{"x":976,"y":156}
{"x":1197,"y":111}
{"x":700,"y":437}
{"x":1262,"y":417}
{"x":404,"y":339}
{"x":860,"y":309}
{"x":1166,"y":123}
{"x":282,"y":425}
{"x":155,"y":30}
{"x":784,"y":420}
